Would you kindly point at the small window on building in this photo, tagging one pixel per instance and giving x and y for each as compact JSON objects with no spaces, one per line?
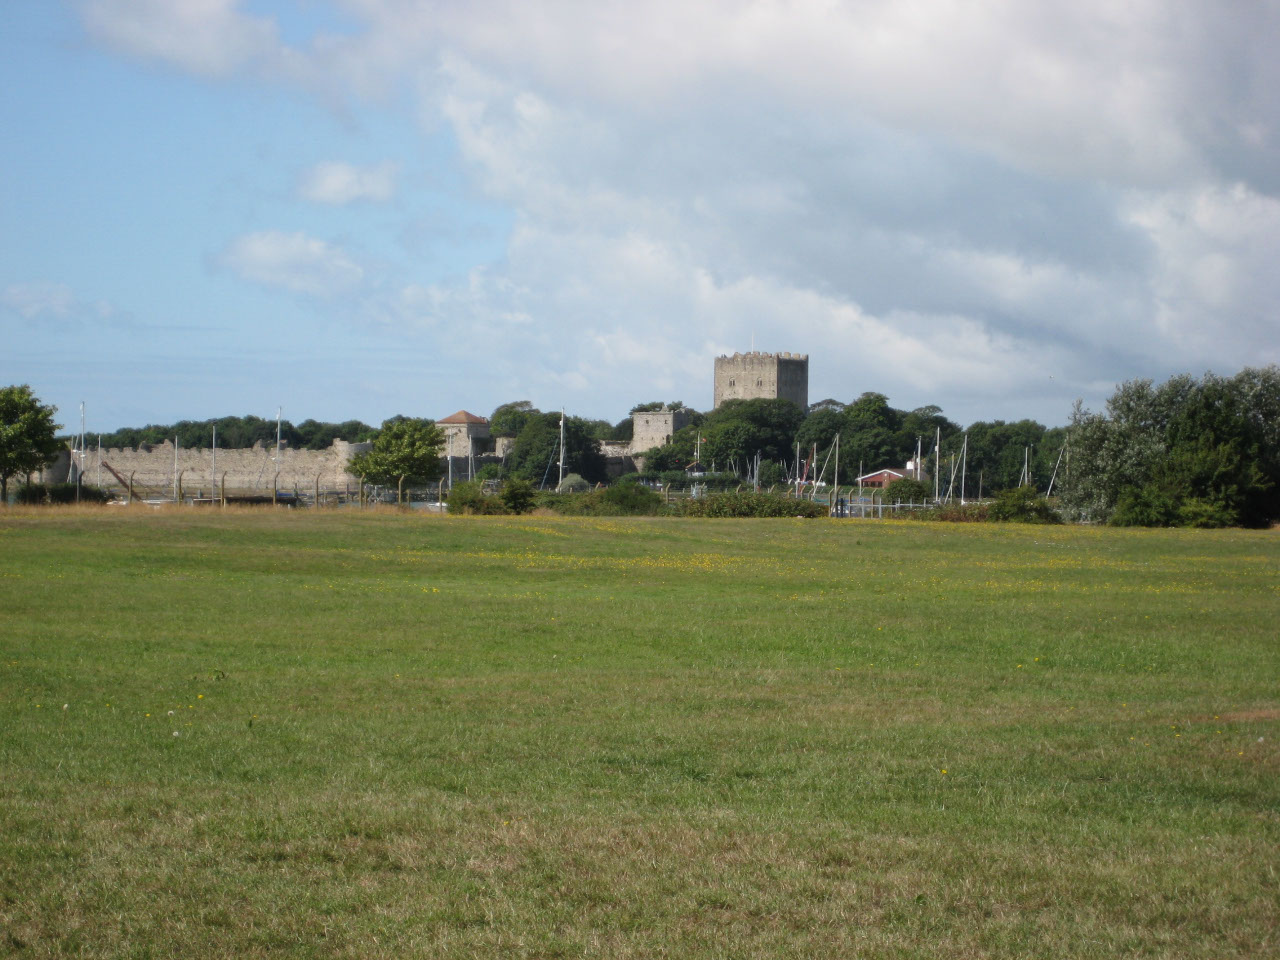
{"x":731,"y":382}
{"x":759,"y":383}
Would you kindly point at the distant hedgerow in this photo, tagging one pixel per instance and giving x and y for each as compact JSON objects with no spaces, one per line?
{"x":749,"y":504}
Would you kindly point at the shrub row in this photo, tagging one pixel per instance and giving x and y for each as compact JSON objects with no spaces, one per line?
{"x":749,"y":504}
{"x":518,"y":496}
{"x":1020,"y":505}
{"x":59,"y":493}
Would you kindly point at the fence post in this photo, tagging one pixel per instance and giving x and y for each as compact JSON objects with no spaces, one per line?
{"x":275,"y":484}
{"x":131,"y":473}
{"x":317,"y":491}
{"x":222,"y":491}
{"x":179,"y":491}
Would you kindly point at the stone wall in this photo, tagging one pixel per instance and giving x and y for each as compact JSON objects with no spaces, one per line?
{"x":756,"y":375}
{"x":655,"y":428}
{"x":248,"y":470}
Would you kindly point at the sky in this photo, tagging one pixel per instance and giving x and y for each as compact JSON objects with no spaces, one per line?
{"x":362,"y":208}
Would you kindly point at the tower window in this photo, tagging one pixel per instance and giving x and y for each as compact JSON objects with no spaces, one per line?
{"x":732,"y":382}
{"x":759,"y":383}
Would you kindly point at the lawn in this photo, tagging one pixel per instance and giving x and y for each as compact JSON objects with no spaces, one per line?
{"x":382,"y":735}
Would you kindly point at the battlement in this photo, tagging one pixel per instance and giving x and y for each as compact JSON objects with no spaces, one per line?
{"x":784,"y":355}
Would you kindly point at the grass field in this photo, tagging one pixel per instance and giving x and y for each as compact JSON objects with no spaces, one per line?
{"x":382,"y":735}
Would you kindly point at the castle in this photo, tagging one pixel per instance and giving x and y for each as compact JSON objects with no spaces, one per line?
{"x":468,"y":444}
{"x":755,"y":375}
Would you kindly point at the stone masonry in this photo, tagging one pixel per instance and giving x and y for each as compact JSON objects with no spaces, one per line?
{"x":654,"y":428}
{"x":755,"y":375}
{"x":248,"y":470}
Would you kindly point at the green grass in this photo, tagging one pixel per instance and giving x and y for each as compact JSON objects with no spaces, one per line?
{"x":538,"y":737}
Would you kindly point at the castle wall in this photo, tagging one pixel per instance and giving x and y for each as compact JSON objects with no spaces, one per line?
{"x":250,"y":469}
{"x":617,"y":457}
{"x":755,"y":375}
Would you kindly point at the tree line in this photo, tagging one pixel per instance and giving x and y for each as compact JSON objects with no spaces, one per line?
{"x":239,"y":432}
{"x":873,"y":435}
{"x":1201,"y":452}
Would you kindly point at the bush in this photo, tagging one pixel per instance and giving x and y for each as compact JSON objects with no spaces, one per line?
{"x":1147,"y":506}
{"x":59,"y":493}
{"x":1195,"y":512}
{"x":906,"y":490}
{"x":679,"y":480}
{"x":518,"y":495}
{"x":1022,"y":505}
{"x":572,"y":483}
{"x":625,"y":499}
{"x":470,"y":498}
{"x":631,"y":499}
{"x":749,"y":504}
{"x":490,"y":471}
{"x":955,"y":513}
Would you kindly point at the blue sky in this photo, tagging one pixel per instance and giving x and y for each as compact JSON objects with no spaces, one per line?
{"x":357,"y":208}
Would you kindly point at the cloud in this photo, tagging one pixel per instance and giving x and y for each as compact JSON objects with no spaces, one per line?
{"x":207,"y":37}
{"x":958,"y":200}
{"x":341,"y":183}
{"x":52,"y":301}
{"x":1214,"y":283}
{"x":294,"y":262}
{"x":32,"y":300}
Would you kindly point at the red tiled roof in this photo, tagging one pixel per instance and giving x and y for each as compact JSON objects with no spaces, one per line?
{"x":462,"y":416}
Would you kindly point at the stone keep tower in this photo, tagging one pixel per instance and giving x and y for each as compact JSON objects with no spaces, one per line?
{"x":653,"y":428}
{"x":755,"y":375}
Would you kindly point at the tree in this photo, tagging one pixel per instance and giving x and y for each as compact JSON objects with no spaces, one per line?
{"x":535,"y":454}
{"x":509,"y":419}
{"x":1189,"y":451}
{"x":406,"y":450}
{"x":870,"y":435}
{"x":653,"y":405}
{"x":518,"y":495}
{"x":820,"y":427}
{"x":28,"y":435}
{"x":738,"y":430}
{"x":907,"y":490}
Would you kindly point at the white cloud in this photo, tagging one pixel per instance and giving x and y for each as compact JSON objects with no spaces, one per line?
{"x":32,"y":300}
{"x":343,"y":183}
{"x":209,"y":37}
{"x":1215,"y":284}
{"x":52,"y":301}
{"x":294,"y":262}
{"x":959,"y":199}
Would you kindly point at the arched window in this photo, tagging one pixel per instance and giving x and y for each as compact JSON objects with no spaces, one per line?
{"x":731,"y":382}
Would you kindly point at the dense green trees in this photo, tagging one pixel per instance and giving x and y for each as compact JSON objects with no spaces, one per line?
{"x":1195,"y":452}
{"x":872,"y":435}
{"x":999,"y":451}
{"x":535,"y":454}
{"x":28,"y":435}
{"x":239,"y":432}
{"x":732,"y":436}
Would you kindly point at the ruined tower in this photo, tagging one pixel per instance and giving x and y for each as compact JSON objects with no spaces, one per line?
{"x":749,"y":376}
